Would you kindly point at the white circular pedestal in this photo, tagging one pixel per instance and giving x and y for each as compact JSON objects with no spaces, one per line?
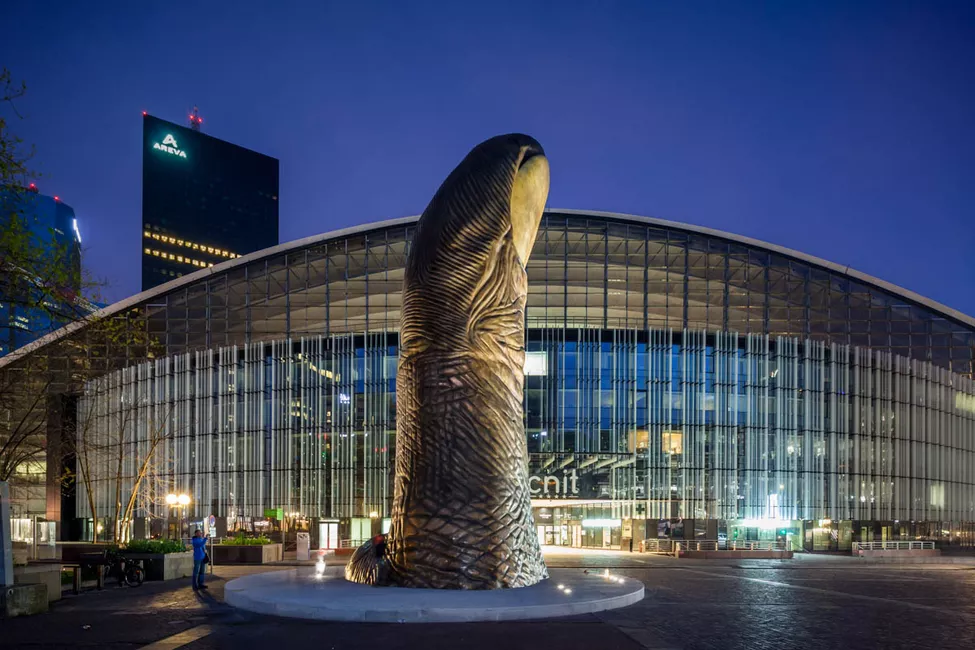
{"x":298,"y":593}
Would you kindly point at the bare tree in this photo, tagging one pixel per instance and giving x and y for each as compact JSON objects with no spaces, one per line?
{"x":22,"y":404}
{"x":41,"y":289}
{"x":116,"y":453}
{"x":144,"y":492}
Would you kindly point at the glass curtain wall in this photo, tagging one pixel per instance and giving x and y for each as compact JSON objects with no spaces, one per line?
{"x":672,"y":374}
{"x":684,"y":424}
{"x":583,"y":272}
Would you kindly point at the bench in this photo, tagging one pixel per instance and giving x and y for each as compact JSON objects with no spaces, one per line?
{"x":75,"y":566}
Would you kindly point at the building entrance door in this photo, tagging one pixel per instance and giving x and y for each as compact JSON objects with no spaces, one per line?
{"x":553,"y":535}
{"x":328,"y":535}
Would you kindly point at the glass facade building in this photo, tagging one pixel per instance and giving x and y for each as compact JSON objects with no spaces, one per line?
{"x":679,"y":381}
{"x":204,"y":201}
{"x":49,"y":225}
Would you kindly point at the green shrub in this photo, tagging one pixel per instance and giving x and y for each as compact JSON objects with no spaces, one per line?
{"x":240,"y":540}
{"x":155,"y":546}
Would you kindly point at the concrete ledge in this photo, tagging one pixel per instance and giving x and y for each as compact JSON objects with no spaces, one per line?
{"x":737,"y":555}
{"x":902,"y":559}
{"x":912,"y":553}
{"x":23,"y":600}
{"x":48,"y":575}
{"x":297,"y":593}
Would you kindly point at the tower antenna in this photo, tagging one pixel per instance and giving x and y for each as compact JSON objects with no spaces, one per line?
{"x":195,"y":119}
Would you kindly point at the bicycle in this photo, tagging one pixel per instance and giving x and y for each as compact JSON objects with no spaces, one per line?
{"x":128,"y":572}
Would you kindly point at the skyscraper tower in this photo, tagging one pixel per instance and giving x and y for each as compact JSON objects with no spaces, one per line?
{"x":32,"y":307}
{"x":204,"y":200}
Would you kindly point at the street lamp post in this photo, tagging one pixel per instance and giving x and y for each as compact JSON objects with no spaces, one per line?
{"x":180,"y":500}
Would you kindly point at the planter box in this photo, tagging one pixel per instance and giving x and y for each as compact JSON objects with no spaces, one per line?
{"x":231,"y":554}
{"x":74,"y":551}
{"x":165,"y":566}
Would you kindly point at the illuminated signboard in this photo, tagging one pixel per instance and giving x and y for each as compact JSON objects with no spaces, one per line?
{"x":602,"y":523}
{"x":169,"y":146}
{"x":567,"y":486}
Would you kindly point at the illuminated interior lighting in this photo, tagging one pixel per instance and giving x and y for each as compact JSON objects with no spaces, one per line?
{"x":602,"y":523}
{"x":189,"y":244}
{"x":765,"y":524}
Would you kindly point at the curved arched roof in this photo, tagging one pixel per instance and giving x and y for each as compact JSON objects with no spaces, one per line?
{"x":298,"y":244}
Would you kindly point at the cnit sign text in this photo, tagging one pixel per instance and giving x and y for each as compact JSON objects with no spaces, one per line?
{"x":553,"y":486}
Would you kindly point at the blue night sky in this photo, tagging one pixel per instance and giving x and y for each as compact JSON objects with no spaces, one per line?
{"x":844,"y":130}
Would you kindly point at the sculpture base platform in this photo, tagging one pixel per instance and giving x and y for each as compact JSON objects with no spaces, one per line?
{"x":298,"y":593}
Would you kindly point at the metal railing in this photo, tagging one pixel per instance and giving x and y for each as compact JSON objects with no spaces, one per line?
{"x":899,"y":545}
{"x":657,"y":545}
{"x":351,"y":543}
{"x":669,"y":546}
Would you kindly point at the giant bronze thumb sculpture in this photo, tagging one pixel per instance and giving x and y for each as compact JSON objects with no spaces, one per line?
{"x":461,"y":507}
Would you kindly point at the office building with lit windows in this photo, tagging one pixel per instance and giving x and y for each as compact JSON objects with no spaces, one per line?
{"x":680,"y":382}
{"x":204,"y":201}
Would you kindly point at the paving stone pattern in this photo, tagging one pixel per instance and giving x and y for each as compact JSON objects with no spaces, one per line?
{"x":689,"y":604}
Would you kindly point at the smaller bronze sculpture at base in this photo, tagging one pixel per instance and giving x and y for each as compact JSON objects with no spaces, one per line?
{"x":461,"y":508}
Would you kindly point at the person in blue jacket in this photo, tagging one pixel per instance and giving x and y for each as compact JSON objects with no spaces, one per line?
{"x":199,"y":555}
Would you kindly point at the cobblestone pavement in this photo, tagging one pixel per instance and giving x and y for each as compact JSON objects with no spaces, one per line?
{"x":807,"y":603}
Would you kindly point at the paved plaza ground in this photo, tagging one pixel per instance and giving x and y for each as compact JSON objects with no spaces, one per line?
{"x":809,"y":602}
